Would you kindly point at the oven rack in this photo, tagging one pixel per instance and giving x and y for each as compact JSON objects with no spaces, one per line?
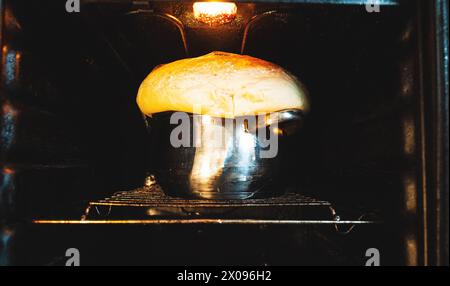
{"x":149,"y":205}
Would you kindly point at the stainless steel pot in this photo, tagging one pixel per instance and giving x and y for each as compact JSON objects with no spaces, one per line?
{"x":220,"y":158}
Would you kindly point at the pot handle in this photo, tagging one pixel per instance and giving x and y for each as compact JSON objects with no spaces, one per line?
{"x":289,"y":121}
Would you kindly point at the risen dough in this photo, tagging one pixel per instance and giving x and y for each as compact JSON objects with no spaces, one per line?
{"x":222,"y":85}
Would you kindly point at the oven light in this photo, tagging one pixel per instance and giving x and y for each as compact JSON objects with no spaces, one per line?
{"x":215,"y":12}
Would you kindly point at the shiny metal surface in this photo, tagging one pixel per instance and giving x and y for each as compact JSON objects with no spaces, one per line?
{"x":230,"y":166}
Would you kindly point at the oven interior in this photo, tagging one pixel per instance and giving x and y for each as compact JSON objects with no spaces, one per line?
{"x":72,"y":135}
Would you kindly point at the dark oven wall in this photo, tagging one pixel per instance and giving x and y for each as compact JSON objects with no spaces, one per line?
{"x":70,"y":129}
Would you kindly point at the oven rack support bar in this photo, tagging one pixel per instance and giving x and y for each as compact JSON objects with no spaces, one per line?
{"x":210,"y":221}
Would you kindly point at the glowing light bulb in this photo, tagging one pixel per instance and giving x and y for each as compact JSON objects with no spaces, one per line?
{"x":215,"y":12}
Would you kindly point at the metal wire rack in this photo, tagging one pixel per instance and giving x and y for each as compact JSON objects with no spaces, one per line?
{"x":154,"y":197}
{"x":148,"y":205}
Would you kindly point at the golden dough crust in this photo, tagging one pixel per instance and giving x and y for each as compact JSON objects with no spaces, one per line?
{"x":221,"y":84}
